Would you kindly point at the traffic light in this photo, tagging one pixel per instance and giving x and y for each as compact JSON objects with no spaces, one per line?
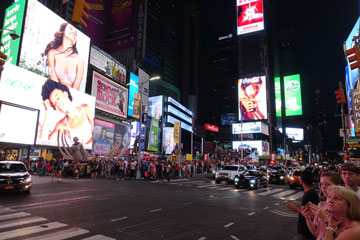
{"x":340,"y":97}
{"x":79,"y":13}
{"x":353,"y":55}
{"x":3,"y":57}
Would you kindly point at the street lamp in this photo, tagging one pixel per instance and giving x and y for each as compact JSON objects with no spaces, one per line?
{"x":13,"y":34}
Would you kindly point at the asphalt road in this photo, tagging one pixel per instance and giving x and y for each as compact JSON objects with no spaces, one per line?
{"x":189,"y":208}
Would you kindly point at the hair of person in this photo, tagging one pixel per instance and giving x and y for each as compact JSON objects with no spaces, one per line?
{"x":50,"y":85}
{"x":333,"y":177}
{"x":350,"y":167}
{"x":307,"y":177}
{"x":103,"y":129}
{"x":58,"y":40}
{"x":353,"y":201}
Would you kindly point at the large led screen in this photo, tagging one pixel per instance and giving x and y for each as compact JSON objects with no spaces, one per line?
{"x":13,"y":128}
{"x":103,"y":136}
{"x":296,"y":134}
{"x":110,"y":96}
{"x":252,"y":98}
{"x":292,"y":88}
{"x":262,"y":147}
{"x":156,"y":107}
{"x":153,"y":142}
{"x":278,"y":99}
{"x":229,"y":118}
{"x":54,"y":48}
{"x":250,"y":127}
{"x":250,"y":16}
{"x":168,"y":142}
{"x":135,"y":134}
{"x":133,"y":88}
{"x":14,"y":17}
{"x":62,"y":109}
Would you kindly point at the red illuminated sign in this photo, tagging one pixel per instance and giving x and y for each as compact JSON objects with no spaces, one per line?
{"x":211,"y":127}
{"x":250,"y":16}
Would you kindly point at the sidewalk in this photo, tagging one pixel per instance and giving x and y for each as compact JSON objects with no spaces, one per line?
{"x":47,"y":179}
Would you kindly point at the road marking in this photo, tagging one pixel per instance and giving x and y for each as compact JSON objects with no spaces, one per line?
{"x":228,"y":225}
{"x":21,"y":222}
{"x":204,"y":186}
{"x":98,"y":237}
{"x":202,"y":238}
{"x":3,"y":210}
{"x":252,"y":213}
{"x":284,"y":214}
{"x":136,"y":225}
{"x":180,"y":180}
{"x":277,"y":204}
{"x":60,"y":235}
{"x":279,"y":195}
{"x":295,"y":196}
{"x":225,"y":188}
{"x":14,"y":215}
{"x":77,"y":191}
{"x":234,"y":237}
{"x":100,"y":199}
{"x":265,"y":208}
{"x":187,"y":203}
{"x":31,"y":230}
{"x":156,"y":210}
{"x":271,"y":191}
{"x":196,"y":182}
{"x":118,"y":219}
{"x":238,"y":190}
{"x":51,"y":202}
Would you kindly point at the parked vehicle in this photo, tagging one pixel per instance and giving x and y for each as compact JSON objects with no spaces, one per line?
{"x":228,"y":173}
{"x":252,"y":179}
{"x":14,"y":176}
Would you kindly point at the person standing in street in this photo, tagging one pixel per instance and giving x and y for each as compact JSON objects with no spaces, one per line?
{"x":310,"y":195}
{"x":60,"y":169}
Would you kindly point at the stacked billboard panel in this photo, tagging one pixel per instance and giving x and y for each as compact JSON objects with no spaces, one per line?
{"x":292,"y":88}
{"x":250,"y":16}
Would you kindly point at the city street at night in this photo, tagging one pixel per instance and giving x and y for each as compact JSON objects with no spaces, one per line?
{"x":187,"y":208}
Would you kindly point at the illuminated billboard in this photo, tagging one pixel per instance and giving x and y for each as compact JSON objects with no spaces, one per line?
{"x":14,"y":17}
{"x":153,"y":142}
{"x":292,"y":89}
{"x":156,"y":107}
{"x":250,"y":127}
{"x":211,"y":127}
{"x":260,"y":146}
{"x":250,"y":16}
{"x":278,"y":99}
{"x":229,"y":118}
{"x":168,"y":142}
{"x":133,"y":88}
{"x":12,"y":124}
{"x":296,"y":134}
{"x":252,"y":98}
{"x":54,"y":48}
{"x":62,"y":109}
{"x":103,"y":136}
{"x":110,"y":96}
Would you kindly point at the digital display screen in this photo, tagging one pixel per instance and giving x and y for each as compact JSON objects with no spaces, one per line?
{"x":168,"y":140}
{"x":54,"y":48}
{"x":252,"y":98}
{"x":179,"y":114}
{"x":103,"y":137}
{"x":250,"y":16}
{"x":250,"y":127}
{"x":260,"y":146}
{"x":153,"y":143}
{"x":156,"y":107}
{"x":133,"y":88}
{"x":292,"y":88}
{"x":278,"y":99}
{"x":296,"y":134}
{"x":63,"y":110}
{"x":13,"y":128}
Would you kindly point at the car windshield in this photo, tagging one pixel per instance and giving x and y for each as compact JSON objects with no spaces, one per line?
{"x":231,"y":168}
{"x":12,"y":167}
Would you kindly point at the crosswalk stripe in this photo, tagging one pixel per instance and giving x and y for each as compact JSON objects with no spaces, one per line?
{"x":271,"y":191}
{"x":4,"y":209}
{"x":192,"y":182}
{"x":60,"y":235}
{"x":14,"y":215}
{"x":180,"y":180}
{"x":295,"y":196}
{"x":21,"y":222}
{"x":204,"y":186}
{"x":226,"y":188}
{"x":279,"y":195}
{"x":30,"y":230}
{"x":98,"y":237}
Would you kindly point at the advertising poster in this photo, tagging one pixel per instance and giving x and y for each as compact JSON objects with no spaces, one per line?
{"x":63,"y":110}
{"x":246,"y":127}
{"x":12,"y":124}
{"x":137,"y":99}
{"x":296,"y":134}
{"x":260,"y":146}
{"x":250,"y":16}
{"x":156,"y":107}
{"x":103,"y":137}
{"x":109,"y":65}
{"x":111,"y":97}
{"x":278,"y":99}
{"x":123,"y":135}
{"x":229,"y":118}
{"x":53,"y":48}
{"x":252,"y":98}
{"x":153,"y":144}
{"x":168,"y":140}
{"x":177,"y":132}
{"x":144,"y":91}
{"x":292,"y":88}
{"x":13,"y":20}
{"x":133,"y":89}
{"x":135,"y":134}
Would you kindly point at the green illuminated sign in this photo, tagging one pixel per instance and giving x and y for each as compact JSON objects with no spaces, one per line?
{"x":292,"y":88}
{"x":154,"y":135}
{"x":278,"y":96}
{"x":14,"y":17}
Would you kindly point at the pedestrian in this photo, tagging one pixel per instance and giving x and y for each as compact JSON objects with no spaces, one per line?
{"x":54,"y":169}
{"x":310,"y":195}
{"x":132,"y":169}
{"x":60,"y":169}
{"x":350,"y":174}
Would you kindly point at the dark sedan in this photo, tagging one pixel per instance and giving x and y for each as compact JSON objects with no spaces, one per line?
{"x":279,"y":176}
{"x":252,"y":179}
{"x":14,"y":177}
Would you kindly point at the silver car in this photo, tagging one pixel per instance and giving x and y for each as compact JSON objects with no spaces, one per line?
{"x":14,"y":177}
{"x":228,"y":173}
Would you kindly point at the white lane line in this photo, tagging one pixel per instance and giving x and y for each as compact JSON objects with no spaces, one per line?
{"x":195,"y":182}
{"x":156,"y":210}
{"x":118,"y":219}
{"x":30,"y":230}
{"x":234,"y":237}
{"x":239,"y":190}
{"x":187,"y":203}
{"x":100,"y":199}
{"x":295,"y":196}
{"x":204,"y":186}
{"x":229,"y":224}
{"x":252,"y":213}
{"x":277,"y":204}
{"x":202,"y":238}
{"x":271,"y":191}
{"x":99,"y":237}
{"x":77,"y":191}
{"x":265,"y":208}
{"x":279,"y":213}
{"x":51,"y":202}
{"x":14,"y":215}
{"x":180,"y":180}
{"x":225,"y":188}
{"x":60,"y":235}
{"x":279,"y":195}
{"x":21,"y":222}
{"x":3,"y":210}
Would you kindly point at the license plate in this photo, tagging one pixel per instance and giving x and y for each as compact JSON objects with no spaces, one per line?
{"x":9,"y":187}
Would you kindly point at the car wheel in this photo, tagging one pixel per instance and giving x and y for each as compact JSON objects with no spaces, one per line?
{"x":27,"y":192}
{"x":217,"y":181}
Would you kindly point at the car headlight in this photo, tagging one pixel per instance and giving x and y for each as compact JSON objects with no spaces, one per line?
{"x":291,"y":178}
{"x":213,"y":171}
{"x":216,"y":174}
{"x":27,"y":180}
{"x":281,"y":177}
{"x":236,"y":179}
{"x":252,"y":181}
